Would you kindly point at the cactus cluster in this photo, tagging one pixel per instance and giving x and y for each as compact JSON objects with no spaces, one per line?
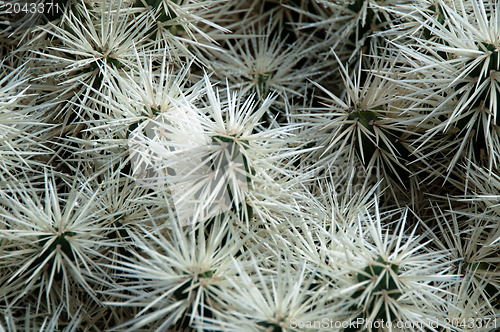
{"x":250,"y":165}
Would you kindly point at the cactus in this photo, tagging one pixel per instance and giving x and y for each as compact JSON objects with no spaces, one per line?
{"x":267,"y":165}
